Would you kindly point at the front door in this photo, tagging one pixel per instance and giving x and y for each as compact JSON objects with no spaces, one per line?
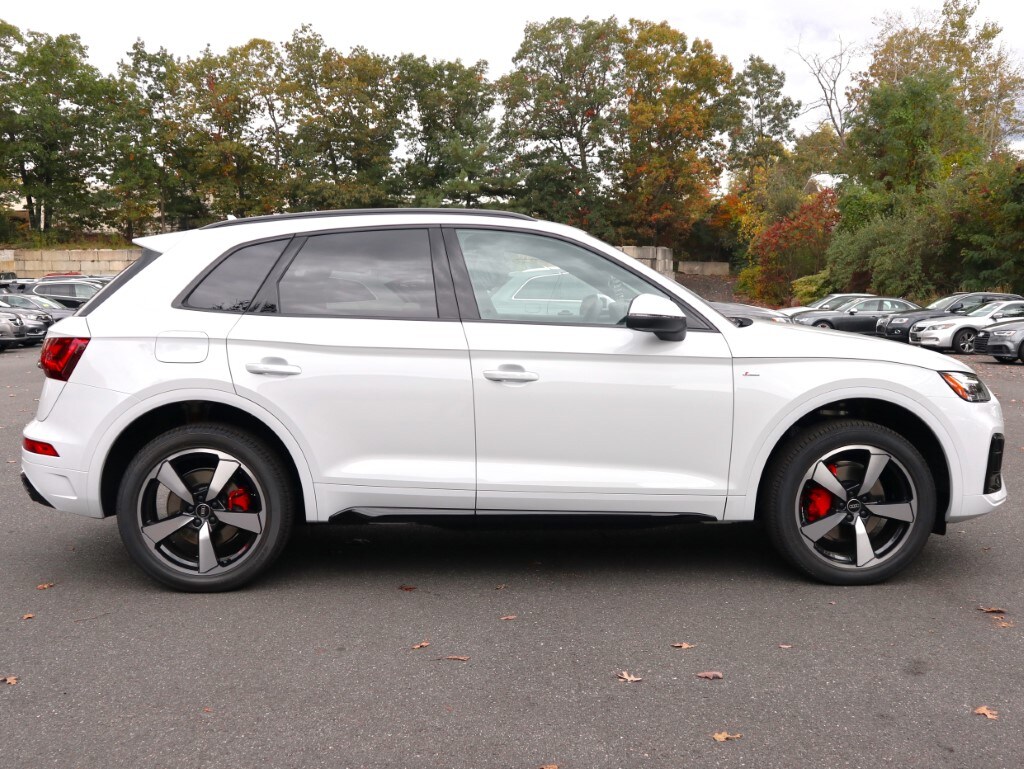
{"x":574,"y":411}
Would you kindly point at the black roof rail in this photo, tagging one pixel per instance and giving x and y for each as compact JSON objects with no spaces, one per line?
{"x":369,"y":211}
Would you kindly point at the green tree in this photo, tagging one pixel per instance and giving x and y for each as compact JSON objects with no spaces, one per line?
{"x":55,"y":105}
{"x":348,"y":116}
{"x":910,"y":134}
{"x":448,"y":132}
{"x":558,"y":104}
{"x":985,"y":77}
{"x":759,"y":138}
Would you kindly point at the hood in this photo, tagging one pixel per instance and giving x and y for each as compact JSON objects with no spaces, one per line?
{"x":770,"y":340}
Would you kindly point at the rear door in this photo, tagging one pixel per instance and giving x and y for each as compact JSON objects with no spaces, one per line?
{"x":355,"y":344}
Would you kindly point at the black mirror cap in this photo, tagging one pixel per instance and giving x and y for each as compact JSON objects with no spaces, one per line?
{"x":666,"y":328}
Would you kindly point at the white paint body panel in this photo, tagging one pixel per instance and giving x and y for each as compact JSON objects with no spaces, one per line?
{"x":383,"y":413}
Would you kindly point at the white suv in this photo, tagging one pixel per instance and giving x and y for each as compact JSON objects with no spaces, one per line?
{"x":354,"y":365}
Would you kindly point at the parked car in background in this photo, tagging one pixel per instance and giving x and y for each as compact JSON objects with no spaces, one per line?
{"x":827,"y":302}
{"x":362,"y":365}
{"x":742,"y":314}
{"x":36,"y":321}
{"x":12,"y":330}
{"x":70,"y":293}
{"x":897,"y":326}
{"x":857,"y":315}
{"x":33,"y":302}
{"x":958,"y":332}
{"x":1004,"y":341}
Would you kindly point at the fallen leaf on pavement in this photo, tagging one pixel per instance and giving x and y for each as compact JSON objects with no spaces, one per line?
{"x":28,"y":616}
{"x":723,"y":736}
{"x":500,"y":587}
{"x":406,"y":588}
{"x":785,"y":646}
{"x":831,"y":603}
{"x":984,"y":710}
{"x":422,"y":644}
{"x":710,"y":675}
{"x":44,"y":586}
{"x":1005,"y":624}
{"x":207,"y":710}
{"x":10,"y":680}
{"x":628,"y":677}
{"x":992,"y":610}
{"x":549,"y":766}
{"x":508,"y":617}
{"x":683,"y":645}
{"x":457,"y":658}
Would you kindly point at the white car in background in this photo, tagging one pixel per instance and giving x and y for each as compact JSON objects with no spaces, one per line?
{"x":355,"y":366}
{"x":958,"y":332}
{"x":827,"y":302}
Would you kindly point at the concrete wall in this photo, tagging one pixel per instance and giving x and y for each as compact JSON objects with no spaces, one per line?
{"x":704,"y":268}
{"x":658,"y":258}
{"x":95,"y":261}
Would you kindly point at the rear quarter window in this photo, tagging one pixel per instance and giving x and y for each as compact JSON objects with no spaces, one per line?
{"x":231,"y":285}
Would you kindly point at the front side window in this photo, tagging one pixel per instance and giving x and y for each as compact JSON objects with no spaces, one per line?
{"x":531,"y":278}
{"x":371,"y":274}
{"x":232,"y":284}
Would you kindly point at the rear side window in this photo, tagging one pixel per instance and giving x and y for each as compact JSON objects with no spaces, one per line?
{"x":371,"y":274}
{"x":232,"y":284}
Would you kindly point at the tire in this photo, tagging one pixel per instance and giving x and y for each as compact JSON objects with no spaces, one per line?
{"x":853,"y":539}
{"x":963,"y":341}
{"x":194,"y":544}
{"x":823,"y":324}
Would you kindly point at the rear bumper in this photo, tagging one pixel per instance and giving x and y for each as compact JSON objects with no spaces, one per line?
{"x":34,"y":495}
{"x":57,"y":487}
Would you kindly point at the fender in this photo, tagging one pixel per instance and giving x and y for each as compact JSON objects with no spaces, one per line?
{"x":741,"y":508}
{"x":137,"y":408}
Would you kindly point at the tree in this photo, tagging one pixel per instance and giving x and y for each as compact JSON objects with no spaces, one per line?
{"x":448,"y":132}
{"x":759,"y":139}
{"x":910,"y":134}
{"x":832,"y":73}
{"x":348,"y":115}
{"x":53,"y":120}
{"x":667,"y":138}
{"x":559,"y":100}
{"x":986,"y":79}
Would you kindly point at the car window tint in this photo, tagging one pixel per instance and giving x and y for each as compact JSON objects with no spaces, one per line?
{"x":502,"y":264}
{"x":84,"y":290}
{"x":375,"y":274}
{"x":58,"y":289}
{"x":231,"y":285}
{"x":869,"y":306}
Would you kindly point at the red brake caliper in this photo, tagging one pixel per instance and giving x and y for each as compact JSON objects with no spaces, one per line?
{"x":818,"y":501}
{"x":239,"y":500}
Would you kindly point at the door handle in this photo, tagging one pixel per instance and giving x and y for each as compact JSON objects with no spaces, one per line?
{"x":273,"y":366}
{"x":511,"y":375}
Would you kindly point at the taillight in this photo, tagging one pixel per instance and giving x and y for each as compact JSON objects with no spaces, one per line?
{"x":38,"y":447}
{"x":60,"y":355}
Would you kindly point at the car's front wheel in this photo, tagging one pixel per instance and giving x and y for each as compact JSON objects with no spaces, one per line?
{"x":963,"y":341}
{"x":823,"y":324}
{"x":205,"y":507}
{"x":849,"y":502}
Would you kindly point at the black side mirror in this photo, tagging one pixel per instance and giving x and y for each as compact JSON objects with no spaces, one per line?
{"x":658,"y":315}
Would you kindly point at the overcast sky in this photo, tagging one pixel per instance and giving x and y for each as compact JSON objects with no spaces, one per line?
{"x":470,"y":31}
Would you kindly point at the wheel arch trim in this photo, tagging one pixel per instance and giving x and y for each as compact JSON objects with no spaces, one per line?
{"x":138,"y":409}
{"x":746,"y":495}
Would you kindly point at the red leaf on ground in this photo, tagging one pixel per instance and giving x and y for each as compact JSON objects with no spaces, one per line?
{"x":28,"y":616}
{"x":992,"y":610}
{"x":723,"y":736}
{"x":422,"y":644}
{"x":683,"y":645}
{"x":984,"y":710}
{"x":9,"y":680}
{"x":407,"y":588}
{"x":509,"y":617}
{"x":44,"y":586}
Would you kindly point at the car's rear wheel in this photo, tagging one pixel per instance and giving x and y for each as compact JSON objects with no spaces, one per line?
{"x":850,"y":502}
{"x":963,"y":341}
{"x":205,"y":507}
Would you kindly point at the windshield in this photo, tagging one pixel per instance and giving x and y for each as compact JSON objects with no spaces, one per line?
{"x":942,"y":304}
{"x":985,"y":310}
{"x":49,"y":304}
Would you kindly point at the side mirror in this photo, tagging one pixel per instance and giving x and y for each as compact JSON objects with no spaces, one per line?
{"x":852,"y":311}
{"x":957,"y":307}
{"x":658,"y":315}
{"x":998,"y":315}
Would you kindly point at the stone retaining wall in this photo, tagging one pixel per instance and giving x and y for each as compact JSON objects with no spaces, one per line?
{"x":720,"y":269}
{"x":92,"y":261}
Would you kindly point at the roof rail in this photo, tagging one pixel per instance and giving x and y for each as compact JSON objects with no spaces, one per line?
{"x":370,"y":211}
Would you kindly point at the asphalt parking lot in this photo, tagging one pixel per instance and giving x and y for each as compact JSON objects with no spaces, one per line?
{"x":315,"y":664}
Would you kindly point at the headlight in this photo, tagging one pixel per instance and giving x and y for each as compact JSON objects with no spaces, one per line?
{"x":967,"y":386}
{"x":900,"y":320}
{"x":1004,"y":333}
{"x":939,"y":326}
{"x":783,"y":319}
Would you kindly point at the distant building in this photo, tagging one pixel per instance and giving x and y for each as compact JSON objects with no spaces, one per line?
{"x":819,"y":182}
